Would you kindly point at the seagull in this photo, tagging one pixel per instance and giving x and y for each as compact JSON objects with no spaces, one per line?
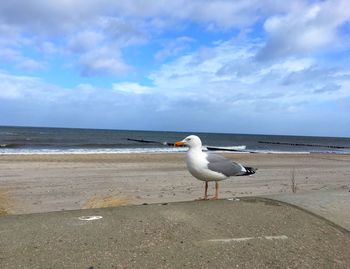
{"x":210,"y":167}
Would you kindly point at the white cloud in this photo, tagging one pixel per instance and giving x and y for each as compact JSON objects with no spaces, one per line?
{"x":231,"y":78}
{"x":84,"y":41}
{"x":293,"y":27}
{"x":13,"y":56}
{"x":30,"y":64}
{"x":62,"y":16}
{"x":10,"y":35}
{"x":99,"y":51}
{"x":101,"y":61}
{"x":22,"y":87}
{"x":124,"y":32}
{"x":28,"y":100}
{"x":174,"y":47}
{"x":131,"y":87}
{"x":47,"y":47}
{"x":305,"y":29}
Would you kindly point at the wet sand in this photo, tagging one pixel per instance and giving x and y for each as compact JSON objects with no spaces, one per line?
{"x":44,"y":183}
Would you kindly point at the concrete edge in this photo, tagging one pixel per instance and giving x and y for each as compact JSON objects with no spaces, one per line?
{"x":331,"y":223}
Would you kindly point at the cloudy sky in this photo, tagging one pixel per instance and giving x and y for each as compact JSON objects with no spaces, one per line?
{"x":244,"y":66}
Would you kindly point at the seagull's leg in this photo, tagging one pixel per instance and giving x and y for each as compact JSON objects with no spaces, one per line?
{"x":206,"y":191}
{"x":216,"y":191}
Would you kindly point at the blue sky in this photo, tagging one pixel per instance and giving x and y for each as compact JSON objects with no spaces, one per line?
{"x":264,"y":67}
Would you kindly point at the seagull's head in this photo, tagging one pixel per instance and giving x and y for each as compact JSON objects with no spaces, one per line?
{"x":191,"y":141}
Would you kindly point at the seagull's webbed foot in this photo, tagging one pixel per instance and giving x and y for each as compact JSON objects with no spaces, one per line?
{"x":202,"y":199}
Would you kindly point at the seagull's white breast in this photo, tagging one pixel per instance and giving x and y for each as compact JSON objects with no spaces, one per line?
{"x":197,"y":164}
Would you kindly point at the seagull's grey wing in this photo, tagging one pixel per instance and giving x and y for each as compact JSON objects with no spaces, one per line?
{"x":224,"y":166}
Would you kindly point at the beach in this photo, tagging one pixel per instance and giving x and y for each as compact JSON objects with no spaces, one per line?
{"x":56,"y":182}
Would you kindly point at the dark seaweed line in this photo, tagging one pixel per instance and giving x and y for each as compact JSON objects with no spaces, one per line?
{"x":301,"y":144}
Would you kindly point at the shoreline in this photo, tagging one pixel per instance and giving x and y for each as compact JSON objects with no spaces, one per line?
{"x":55,"y":182}
{"x":165,"y":151}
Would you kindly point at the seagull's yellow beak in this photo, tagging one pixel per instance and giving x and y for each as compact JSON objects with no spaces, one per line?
{"x":179,"y":144}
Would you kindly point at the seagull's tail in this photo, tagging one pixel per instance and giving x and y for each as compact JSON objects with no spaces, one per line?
{"x":249,"y":171}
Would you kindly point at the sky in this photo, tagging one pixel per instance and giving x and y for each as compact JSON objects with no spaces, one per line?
{"x":244,"y":66}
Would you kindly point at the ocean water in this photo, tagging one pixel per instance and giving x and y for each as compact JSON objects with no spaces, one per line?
{"x":33,"y":140}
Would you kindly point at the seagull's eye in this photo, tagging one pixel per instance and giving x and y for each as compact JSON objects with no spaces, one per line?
{"x":188,"y":139}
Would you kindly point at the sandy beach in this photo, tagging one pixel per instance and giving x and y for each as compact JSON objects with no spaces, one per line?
{"x":44,"y":183}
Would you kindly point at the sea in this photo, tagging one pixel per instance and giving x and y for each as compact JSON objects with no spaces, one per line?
{"x":35,"y":140}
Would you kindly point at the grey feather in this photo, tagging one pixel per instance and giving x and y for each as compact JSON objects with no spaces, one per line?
{"x":224,"y":166}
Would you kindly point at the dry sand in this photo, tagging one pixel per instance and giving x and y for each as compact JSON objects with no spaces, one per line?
{"x":43,"y":183}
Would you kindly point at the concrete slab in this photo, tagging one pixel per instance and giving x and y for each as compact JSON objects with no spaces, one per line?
{"x":333,"y":205}
{"x":249,"y":233}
